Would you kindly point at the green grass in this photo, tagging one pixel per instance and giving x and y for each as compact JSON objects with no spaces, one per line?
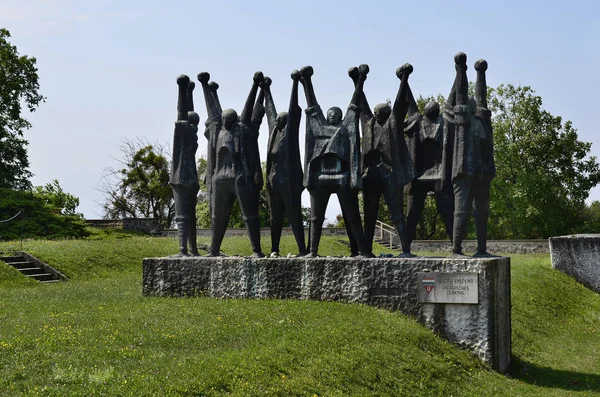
{"x":96,"y":335}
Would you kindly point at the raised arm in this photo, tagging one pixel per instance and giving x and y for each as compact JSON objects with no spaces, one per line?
{"x":480,"y":84}
{"x":358,"y":94}
{"x":190,"y":99}
{"x":258,"y":112}
{"x":461,"y":84}
{"x":294,"y":111}
{"x":413,"y":109}
{"x":211,"y":106}
{"x":213,"y":87}
{"x":246,"y":116}
{"x":306,"y":72}
{"x":260,"y":100}
{"x":183,"y":82}
{"x":269,"y":104}
{"x":400,"y":107}
{"x":482,"y":110}
{"x":365,"y":111}
{"x":451,"y":101}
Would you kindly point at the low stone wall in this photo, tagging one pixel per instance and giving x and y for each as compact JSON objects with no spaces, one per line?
{"x":105,"y":223}
{"x":493,"y":246}
{"x":140,"y":224}
{"x":579,"y":257}
{"x":483,"y":328}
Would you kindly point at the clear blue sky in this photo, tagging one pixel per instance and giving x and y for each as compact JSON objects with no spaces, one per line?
{"x":108,"y":68}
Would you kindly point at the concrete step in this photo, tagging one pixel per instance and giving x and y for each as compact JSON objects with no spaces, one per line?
{"x":41,"y":276}
{"x":11,"y":259}
{"x":21,"y":265}
{"x":32,"y":270}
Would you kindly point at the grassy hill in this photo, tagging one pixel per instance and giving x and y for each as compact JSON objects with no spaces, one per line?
{"x":96,"y":335}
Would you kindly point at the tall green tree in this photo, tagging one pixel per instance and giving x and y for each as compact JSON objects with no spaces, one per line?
{"x":591,"y":216}
{"x":544,"y":172}
{"x":18,"y":88}
{"x":140,"y":188}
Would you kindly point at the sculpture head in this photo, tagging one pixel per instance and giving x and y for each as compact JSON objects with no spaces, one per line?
{"x":432,"y":110}
{"x":281,"y":120}
{"x":382,"y":112}
{"x":229,"y":118}
{"x":334,"y":115}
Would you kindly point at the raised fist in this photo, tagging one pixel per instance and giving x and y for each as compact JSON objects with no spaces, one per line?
{"x":353,"y":72}
{"x":266,"y":82}
{"x":203,"y":77}
{"x":307,"y":71}
{"x":460,"y":59}
{"x":183,"y":80}
{"x":258,"y":77}
{"x":406,"y":68}
{"x":363,"y":69}
{"x":213,"y":86}
{"x":296,"y":75}
{"x":481,"y":65}
{"x":193,"y":118}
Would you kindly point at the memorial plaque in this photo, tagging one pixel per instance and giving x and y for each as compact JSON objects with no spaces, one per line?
{"x":436,"y":287}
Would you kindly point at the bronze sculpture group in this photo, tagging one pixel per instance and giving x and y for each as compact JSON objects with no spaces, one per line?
{"x":388,"y":151}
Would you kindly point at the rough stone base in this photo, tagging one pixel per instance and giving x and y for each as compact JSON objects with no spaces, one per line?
{"x":483,"y":328}
{"x":579,"y":257}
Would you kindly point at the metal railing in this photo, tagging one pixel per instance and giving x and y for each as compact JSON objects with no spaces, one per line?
{"x":386,"y":233}
{"x":12,"y":219}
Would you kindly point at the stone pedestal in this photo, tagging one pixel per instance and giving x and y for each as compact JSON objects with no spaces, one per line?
{"x":579,"y":257}
{"x":398,"y":284}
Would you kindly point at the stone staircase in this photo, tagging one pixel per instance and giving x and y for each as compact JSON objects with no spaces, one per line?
{"x":386,"y":243}
{"x":32,"y":267}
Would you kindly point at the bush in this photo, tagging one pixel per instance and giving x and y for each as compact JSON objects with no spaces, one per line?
{"x":39,"y":217}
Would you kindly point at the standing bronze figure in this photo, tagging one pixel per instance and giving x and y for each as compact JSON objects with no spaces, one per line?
{"x":431,"y":151}
{"x":284,"y":167}
{"x":234,"y":164}
{"x":332,"y":160}
{"x":386,"y":162}
{"x":473,"y":165}
{"x":184,"y":174}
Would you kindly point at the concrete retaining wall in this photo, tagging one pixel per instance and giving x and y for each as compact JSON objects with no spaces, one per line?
{"x":483,"y":328}
{"x":579,"y":257}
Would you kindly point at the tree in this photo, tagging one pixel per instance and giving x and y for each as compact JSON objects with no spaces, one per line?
{"x":18,"y":87}
{"x":591,"y":216}
{"x":53,"y":194}
{"x":141,"y":187}
{"x":544,"y":173}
